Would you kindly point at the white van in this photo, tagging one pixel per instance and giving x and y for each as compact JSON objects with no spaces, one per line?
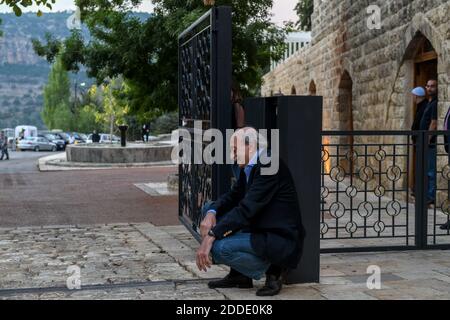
{"x":28,"y":131}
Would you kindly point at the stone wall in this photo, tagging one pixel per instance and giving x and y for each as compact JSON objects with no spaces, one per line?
{"x":377,"y":61}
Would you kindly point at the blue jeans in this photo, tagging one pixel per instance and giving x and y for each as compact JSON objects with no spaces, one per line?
{"x":236,"y":251}
{"x":431,"y":173}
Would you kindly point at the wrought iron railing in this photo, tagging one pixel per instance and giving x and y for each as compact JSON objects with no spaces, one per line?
{"x":374,"y":191}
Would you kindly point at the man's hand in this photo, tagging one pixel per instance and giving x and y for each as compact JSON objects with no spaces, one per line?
{"x":207,"y":224}
{"x":203,"y":260}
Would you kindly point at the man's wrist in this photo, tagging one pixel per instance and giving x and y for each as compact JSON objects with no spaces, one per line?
{"x":213,"y":212}
{"x":211,"y":234}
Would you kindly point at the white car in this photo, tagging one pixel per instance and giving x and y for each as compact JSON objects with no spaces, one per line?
{"x":106,"y":138}
{"x":36,"y":144}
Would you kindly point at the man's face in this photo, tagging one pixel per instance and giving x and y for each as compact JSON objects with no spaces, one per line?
{"x":240,"y":152}
{"x":432,"y":88}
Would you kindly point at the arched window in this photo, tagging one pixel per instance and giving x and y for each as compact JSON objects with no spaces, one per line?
{"x":312,"y":88}
{"x":293,"y":91}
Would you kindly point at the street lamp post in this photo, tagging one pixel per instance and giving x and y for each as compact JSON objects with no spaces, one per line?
{"x":82,"y":85}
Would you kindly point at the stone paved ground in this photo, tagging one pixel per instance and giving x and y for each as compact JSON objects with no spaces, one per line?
{"x":141,"y":261}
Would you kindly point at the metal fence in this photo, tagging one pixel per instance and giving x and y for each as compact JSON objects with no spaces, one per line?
{"x":204,"y":88}
{"x":374,"y":191}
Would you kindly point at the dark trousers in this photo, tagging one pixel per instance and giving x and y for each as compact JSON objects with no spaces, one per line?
{"x":5,"y":153}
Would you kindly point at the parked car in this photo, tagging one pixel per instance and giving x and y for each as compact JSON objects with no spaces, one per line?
{"x":105,"y":138}
{"x":75,"y":137}
{"x":37,"y":144}
{"x":60,"y":143}
{"x":62,"y":136}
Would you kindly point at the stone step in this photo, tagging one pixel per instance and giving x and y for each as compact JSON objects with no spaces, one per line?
{"x":168,"y":239}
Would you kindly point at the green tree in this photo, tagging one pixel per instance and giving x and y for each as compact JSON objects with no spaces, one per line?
{"x":145,"y":52}
{"x":18,"y":5}
{"x":86,"y":120}
{"x":304,"y":9}
{"x":114,"y":108}
{"x":57,"y":98}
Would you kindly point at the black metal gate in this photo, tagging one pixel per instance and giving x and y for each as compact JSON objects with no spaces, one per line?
{"x":204,"y":87}
{"x":374,"y":191}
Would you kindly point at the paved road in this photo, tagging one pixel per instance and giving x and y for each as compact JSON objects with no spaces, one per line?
{"x":32,"y":198}
{"x":22,"y":162}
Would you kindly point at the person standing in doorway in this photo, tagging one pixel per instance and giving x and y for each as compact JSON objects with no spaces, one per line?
{"x":420,"y":101}
{"x":429,"y":123}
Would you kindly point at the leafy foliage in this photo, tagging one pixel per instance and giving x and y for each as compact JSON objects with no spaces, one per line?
{"x":144,"y":52}
{"x":304,"y":9}
{"x":56,"y":112}
{"x":18,"y":5}
{"x":165,"y":123}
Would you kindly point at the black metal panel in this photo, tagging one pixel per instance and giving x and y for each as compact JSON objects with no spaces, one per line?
{"x":203,"y":92}
{"x":300,"y":125}
{"x":299,"y":121}
{"x":433,"y":236}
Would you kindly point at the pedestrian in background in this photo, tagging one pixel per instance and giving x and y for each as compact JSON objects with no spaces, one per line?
{"x":95,"y":137}
{"x":145,"y":132}
{"x":4,"y":146}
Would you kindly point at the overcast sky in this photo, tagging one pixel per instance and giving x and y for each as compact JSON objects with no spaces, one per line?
{"x":283,"y":10}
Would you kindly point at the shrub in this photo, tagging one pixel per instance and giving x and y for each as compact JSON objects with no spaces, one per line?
{"x":164,"y":124}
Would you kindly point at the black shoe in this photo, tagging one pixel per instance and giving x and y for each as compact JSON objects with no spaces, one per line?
{"x":445,"y":226}
{"x":233,"y":280}
{"x":272,"y":287}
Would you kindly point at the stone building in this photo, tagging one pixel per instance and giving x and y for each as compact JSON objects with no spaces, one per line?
{"x":365,"y":75}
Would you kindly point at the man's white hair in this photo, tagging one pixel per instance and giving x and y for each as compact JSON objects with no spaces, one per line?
{"x":251,"y":137}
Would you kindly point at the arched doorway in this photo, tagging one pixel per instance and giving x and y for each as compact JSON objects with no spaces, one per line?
{"x":423,"y":59}
{"x":425,"y":62}
{"x":312,"y":88}
{"x":344,"y":109}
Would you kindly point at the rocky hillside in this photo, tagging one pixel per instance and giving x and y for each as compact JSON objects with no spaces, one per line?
{"x":23,"y":74}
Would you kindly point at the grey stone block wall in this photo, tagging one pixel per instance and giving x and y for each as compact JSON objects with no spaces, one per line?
{"x":378,"y":61}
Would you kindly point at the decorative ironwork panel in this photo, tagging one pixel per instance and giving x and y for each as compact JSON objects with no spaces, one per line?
{"x":204,"y":86}
{"x":365,"y":190}
{"x":437,"y":155}
{"x":384,"y":191}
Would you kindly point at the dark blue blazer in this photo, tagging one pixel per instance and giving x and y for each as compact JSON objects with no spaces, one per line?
{"x":267,"y":207}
